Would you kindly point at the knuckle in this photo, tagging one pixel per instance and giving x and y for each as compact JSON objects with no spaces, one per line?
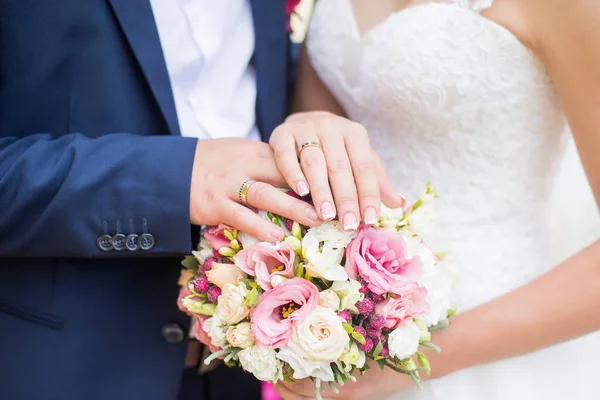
{"x":311,"y":160}
{"x":365,"y":168}
{"x":259,"y":193}
{"x":338,"y":166}
{"x":237,"y":215}
{"x":348,"y":201}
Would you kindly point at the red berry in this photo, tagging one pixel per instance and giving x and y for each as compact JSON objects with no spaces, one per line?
{"x":376,"y":298}
{"x":385,"y":352}
{"x":376,"y":321}
{"x":373,"y":333}
{"x":360,"y":330}
{"x":363,"y":289}
{"x":365,"y":306}
{"x":208,"y":264}
{"x":201,"y":284}
{"x":213,"y":294}
{"x":345,"y":315}
{"x":288,"y":224}
{"x":367,"y":346}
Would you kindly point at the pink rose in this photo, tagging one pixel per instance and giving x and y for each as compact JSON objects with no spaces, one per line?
{"x":264,"y":261}
{"x":215,"y":236}
{"x":379,"y":257}
{"x":200,"y":334}
{"x":403,"y":307}
{"x":277,"y":310}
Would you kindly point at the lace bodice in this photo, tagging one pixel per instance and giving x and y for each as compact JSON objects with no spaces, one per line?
{"x":451,"y":97}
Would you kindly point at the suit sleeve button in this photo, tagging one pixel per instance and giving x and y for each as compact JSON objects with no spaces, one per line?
{"x":132,"y":243}
{"x":119,"y":242}
{"x":172,"y":333}
{"x":105,"y":243}
{"x":146,"y":241}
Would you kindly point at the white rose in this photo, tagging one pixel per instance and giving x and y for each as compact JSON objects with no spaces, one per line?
{"x":439,"y":281}
{"x":221,"y":274}
{"x":246,"y":240}
{"x":323,"y":247}
{"x":306,"y":368}
{"x":215,"y":330}
{"x":240,"y":335}
{"x":329,"y":299}
{"x":353,"y":357}
{"x":403,"y":341}
{"x":230,"y":307}
{"x":320,"y":336}
{"x":262,"y":362}
{"x":349,"y":294}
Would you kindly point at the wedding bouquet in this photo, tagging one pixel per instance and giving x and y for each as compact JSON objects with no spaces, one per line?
{"x":321,"y":302}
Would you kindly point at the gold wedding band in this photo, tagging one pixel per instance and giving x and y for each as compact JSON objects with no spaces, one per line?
{"x":244,"y":191}
{"x":309,"y":143}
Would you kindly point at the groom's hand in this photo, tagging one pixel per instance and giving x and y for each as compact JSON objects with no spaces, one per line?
{"x":342,"y":172}
{"x":220,"y":168}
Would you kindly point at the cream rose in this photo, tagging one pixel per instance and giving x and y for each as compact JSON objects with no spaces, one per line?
{"x":329,"y":299}
{"x":230,"y":308}
{"x":261,"y":361}
{"x":221,"y":274}
{"x":214,"y":328}
{"x":240,"y":335}
{"x":320,"y":336}
{"x":349,"y":294}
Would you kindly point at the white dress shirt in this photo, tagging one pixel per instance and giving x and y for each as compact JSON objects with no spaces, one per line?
{"x":208,"y":45}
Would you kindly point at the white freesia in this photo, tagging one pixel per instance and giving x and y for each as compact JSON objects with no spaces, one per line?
{"x":230,"y":307}
{"x":204,"y":251}
{"x":349,"y":294}
{"x":240,"y":335}
{"x":246,"y":240}
{"x":261,"y":361}
{"x":390,"y":217}
{"x":422,"y":220}
{"x":403,"y":341}
{"x":320,"y":336}
{"x":353,"y":357}
{"x":323,"y":247}
{"x":329,"y":299}
{"x":213,"y":326}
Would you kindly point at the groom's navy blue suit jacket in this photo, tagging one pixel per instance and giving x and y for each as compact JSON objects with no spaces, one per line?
{"x":90,"y":146}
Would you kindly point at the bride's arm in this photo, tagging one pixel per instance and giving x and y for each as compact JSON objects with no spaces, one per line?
{"x":310,"y":93}
{"x":564,"y":303}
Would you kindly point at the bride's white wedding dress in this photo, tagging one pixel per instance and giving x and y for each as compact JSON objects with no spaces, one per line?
{"x":451,"y":97}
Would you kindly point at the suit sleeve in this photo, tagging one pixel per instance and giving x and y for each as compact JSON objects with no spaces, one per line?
{"x":58,"y":196}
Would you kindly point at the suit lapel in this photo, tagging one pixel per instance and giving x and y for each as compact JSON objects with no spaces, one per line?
{"x":271,"y":61}
{"x":137,"y":21}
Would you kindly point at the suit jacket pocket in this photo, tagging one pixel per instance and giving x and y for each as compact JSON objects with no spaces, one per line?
{"x":48,"y":320}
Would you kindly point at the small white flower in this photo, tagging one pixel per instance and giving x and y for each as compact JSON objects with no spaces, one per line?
{"x":439,"y":281}
{"x":216,"y":331}
{"x":204,"y":251}
{"x":240,"y":335}
{"x":230,"y":307}
{"x":323,"y":247}
{"x":422,"y":220}
{"x":403,"y":342}
{"x":353,"y":357}
{"x":277,"y":279}
{"x":349,"y":294}
{"x":305,"y":368}
{"x":261,"y":361}
{"x":329,"y":299}
{"x":246,"y":240}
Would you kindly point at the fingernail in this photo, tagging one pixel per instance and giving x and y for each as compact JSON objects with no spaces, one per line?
{"x":403,"y":200}
{"x":350,"y":222}
{"x":302,"y":188}
{"x":370,"y":216}
{"x":327,"y":211}
{"x":276,"y":234}
{"x":312,"y":214}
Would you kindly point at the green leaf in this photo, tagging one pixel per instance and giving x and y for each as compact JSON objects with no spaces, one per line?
{"x":451,"y":313}
{"x":190,"y":262}
{"x":430,"y":346}
{"x":348,"y":328}
{"x":417,"y":204}
{"x":378,"y":349}
{"x":381,"y":364}
{"x":299,"y":269}
{"x":443,"y":324}
{"x":358,"y":337}
{"x":247,"y":282}
{"x":251,"y":298}
{"x":288,"y":378}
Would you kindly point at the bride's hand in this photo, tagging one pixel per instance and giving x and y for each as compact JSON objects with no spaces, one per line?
{"x":374,"y":385}
{"x":345,"y":165}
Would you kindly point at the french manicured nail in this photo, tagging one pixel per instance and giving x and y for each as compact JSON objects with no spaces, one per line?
{"x":370,"y":216}
{"x":403,"y":200}
{"x":276,"y":234}
{"x":302,"y":188}
{"x":327,"y":210}
{"x":350,"y":222}
{"x":312,"y":214}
